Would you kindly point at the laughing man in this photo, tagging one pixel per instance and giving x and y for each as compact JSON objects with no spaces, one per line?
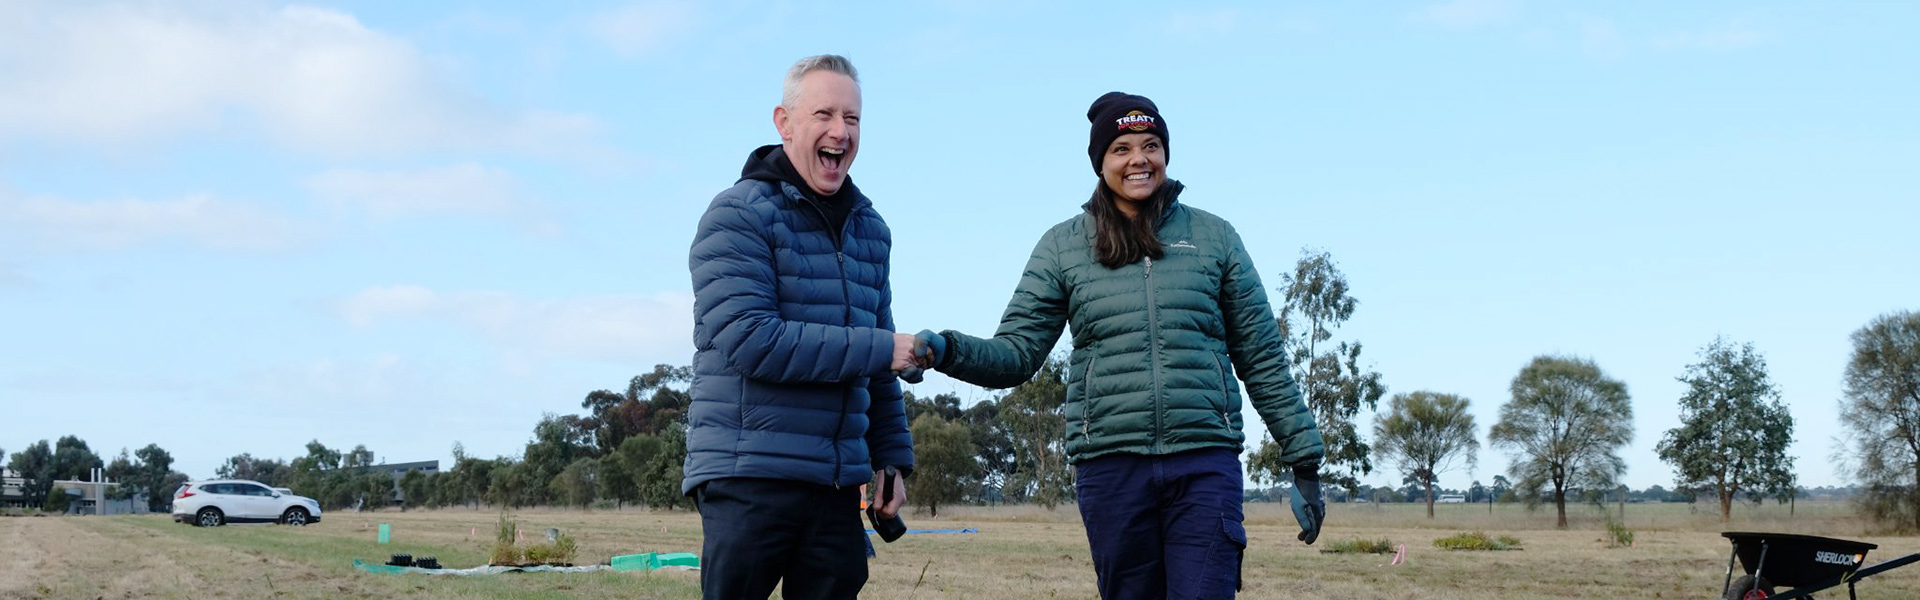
{"x":795,"y":401}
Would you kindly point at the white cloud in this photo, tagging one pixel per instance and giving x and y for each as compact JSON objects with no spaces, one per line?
{"x":638,"y":29}
{"x":311,"y":79}
{"x":198,"y":220}
{"x":613,"y":327}
{"x":1467,"y":14}
{"x":459,"y":189}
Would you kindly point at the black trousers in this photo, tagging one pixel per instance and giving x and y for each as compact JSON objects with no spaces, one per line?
{"x":761,"y":532}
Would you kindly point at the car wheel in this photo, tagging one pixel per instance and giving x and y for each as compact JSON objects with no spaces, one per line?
{"x":295,"y":516}
{"x":210,"y":517}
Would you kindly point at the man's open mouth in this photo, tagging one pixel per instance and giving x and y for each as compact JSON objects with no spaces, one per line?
{"x":832,"y":157}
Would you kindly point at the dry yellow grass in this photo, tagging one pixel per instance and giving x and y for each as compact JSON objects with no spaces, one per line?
{"x":1020,"y":552}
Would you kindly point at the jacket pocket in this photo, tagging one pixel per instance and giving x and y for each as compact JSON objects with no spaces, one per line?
{"x":1086,"y":398}
{"x":1226,"y":390}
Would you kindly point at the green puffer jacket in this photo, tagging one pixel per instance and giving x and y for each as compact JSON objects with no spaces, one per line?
{"x":1155,"y":344}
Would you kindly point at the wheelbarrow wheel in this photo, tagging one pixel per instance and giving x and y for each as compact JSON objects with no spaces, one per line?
{"x":1744,"y":589}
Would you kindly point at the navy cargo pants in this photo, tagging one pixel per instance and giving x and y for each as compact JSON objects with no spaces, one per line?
{"x":1164,"y":526}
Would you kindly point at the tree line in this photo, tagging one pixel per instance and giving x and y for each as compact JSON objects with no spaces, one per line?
{"x":145,"y":472}
{"x":626,"y":448}
{"x":1562,"y":425}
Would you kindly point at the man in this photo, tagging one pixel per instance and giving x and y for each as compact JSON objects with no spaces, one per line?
{"x":795,"y":399}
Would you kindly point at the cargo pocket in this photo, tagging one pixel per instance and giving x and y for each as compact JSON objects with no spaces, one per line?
{"x":1221,"y":577}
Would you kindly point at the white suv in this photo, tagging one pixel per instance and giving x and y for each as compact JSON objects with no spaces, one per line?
{"x":221,"y":501}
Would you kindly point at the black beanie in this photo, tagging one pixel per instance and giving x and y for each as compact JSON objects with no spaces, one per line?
{"x":1116,"y":114}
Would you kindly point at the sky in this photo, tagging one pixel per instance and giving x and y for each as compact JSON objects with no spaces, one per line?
{"x":235,"y":226}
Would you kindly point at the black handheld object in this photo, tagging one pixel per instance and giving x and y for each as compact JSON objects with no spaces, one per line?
{"x":889,"y":528}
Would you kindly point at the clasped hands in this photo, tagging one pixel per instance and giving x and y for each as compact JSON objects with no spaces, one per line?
{"x":914,"y":354}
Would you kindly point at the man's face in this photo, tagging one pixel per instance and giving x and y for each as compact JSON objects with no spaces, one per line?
{"x":821,"y":131}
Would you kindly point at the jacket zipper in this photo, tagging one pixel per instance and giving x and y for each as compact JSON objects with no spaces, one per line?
{"x":1153,"y":360}
{"x":846,"y":297}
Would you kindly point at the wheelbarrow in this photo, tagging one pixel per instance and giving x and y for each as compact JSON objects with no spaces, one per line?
{"x":1804,"y":563}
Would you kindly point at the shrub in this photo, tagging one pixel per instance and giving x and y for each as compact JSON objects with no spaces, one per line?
{"x":1618,"y":536}
{"x":503,"y":552}
{"x":1477,"y":540}
{"x":558,"y":552}
{"x":1380,"y":546}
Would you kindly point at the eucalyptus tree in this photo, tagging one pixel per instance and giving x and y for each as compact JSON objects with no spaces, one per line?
{"x":1734,"y":431}
{"x":1034,"y":414}
{"x":1426,"y":434}
{"x":34,"y":467}
{"x":1564,"y":427}
{"x":944,"y":469}
{"x":1881,"y":410}
{"x":1315,"y":301}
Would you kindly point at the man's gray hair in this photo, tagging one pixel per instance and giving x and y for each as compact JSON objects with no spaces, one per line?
{"x":790,"y":93}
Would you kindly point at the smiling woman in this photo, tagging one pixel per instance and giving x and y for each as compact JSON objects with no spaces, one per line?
{"x":1153,"y":413}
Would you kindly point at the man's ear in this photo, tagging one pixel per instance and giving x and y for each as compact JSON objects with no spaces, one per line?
{"x":780,"y":115}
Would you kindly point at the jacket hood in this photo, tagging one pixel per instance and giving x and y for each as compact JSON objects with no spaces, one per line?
{"x":769,"y":163}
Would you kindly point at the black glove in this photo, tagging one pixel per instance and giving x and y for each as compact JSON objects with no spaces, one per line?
{"x":1308,"y":508}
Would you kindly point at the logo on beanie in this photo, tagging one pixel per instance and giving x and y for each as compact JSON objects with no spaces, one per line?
{"x":1135,"y":120}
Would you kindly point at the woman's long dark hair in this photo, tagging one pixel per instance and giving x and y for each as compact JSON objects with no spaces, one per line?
{"x":1119,"y":241}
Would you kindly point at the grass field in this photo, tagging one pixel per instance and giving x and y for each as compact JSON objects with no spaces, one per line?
{"x":1020,"y":552}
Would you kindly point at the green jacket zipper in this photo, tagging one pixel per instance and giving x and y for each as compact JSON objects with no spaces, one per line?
{"x":1153,"y":362}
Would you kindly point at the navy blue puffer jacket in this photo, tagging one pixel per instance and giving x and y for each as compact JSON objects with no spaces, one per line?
{"x":793,"y":332}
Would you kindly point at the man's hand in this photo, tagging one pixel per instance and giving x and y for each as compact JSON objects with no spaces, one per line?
{"x":899,"y":496}
{"x":903,"y":356}
{"x":1308,"y":508}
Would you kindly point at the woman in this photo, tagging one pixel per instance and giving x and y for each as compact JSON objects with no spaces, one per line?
{"x":1165,"y":307}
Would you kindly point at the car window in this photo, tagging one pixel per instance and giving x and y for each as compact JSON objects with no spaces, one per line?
{"x":217,"y":488}
{"x":254,"y":490}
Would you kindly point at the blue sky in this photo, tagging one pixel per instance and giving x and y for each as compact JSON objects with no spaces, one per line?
{"x":236,"y":226}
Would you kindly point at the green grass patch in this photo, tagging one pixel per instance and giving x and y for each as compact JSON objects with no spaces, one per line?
{"x":1379,"y":546}
{"x":1477,"y":540}
{"x":329,"y":549}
